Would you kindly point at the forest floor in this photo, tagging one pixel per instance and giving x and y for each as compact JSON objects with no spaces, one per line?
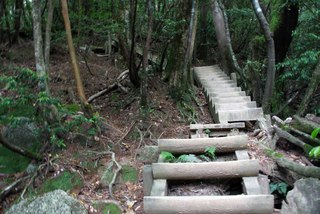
{"x":122,"y":112}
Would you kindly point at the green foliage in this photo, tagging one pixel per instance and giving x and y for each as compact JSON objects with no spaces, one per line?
{"x":167,"y":156}
{"x":315,"y":151}
{"x":190,"y":158}
{"x":210,"y":152}
{"x":281,"y":188}
{"x":129,"y":173}
{"x":315,"y":132}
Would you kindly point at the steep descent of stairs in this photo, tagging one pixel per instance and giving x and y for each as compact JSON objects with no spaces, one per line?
{"x":227,"y":103}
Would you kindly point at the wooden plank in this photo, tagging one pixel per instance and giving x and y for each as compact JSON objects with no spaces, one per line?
{"x":234,"y":204}
{"x":198,"y":145}
{"x":159,"y":188}
{"x":147,"y":180}
{"x":250,"y":185}
{"x":218,"y":126}
{"x":206,"y":170}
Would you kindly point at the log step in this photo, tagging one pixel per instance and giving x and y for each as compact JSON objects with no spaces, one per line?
{"x":206,"y":170}
{"x":198,"y":145}
{"x":234,"y":204}
{"x":218,"y":126}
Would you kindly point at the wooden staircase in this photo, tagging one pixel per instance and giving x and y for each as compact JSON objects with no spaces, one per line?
{"x":227,"y":104}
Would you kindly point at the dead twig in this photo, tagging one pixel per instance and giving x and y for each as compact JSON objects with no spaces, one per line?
{"x":126,"y":134}
{"x":111,"y":87}
{"x":6,"y":191}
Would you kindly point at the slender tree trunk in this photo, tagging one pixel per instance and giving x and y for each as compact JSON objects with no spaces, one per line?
{"x":144,"y":78}
{"x":312,"y":87}
{"x":38,"y":47}
{"x":7,"y":22}
{"x":268,"y":91}
{"x":17,"y":20}
{"x":203,"y":47}
{"x":48,"y":34}
{"x":133,"y":71}
{"x":221,"y":35}
{"x":187,"y":76}
{"x":72,"y":52}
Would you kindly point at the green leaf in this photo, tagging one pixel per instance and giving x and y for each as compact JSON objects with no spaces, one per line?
{"x":282,"y":188}
{"x":167,"y":156}
{"x":315,"y":152}
{"x":273,"y":187}
{"x":189,"y":158}
{"x":210,"y":152}
{"x":315,"y":132}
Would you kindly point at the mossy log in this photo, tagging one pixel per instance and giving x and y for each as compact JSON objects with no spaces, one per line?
{"x":304,"y":124}
{"x":290,"y":128}
{"x":307,"y":171}
{"x":296,"y":141}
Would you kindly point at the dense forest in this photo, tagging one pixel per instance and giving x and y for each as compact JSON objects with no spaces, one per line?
{"x":86,"y":84}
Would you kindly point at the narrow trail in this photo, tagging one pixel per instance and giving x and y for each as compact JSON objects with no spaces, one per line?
{"x":229,"y":107}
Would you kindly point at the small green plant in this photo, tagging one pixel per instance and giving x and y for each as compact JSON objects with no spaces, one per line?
{"x":315,"y":151}
{"x":167,"y":156}
{"x":280,"y":187}
{"x":210,"y":152}
{"x":207,"y":131}
{"x":190,"y":158}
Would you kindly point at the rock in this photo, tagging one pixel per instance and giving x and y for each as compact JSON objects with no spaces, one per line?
{"x":107,"y":206}
{"x":106,"y":174}
{"x":55,"y":202}
{"x":304,"y":198}
{"x":24,"y":135}
{"x":148,"y":154}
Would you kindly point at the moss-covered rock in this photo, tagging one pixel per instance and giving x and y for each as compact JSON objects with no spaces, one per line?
{"x":66,"y":181}
{"x":107,"y":207}
{"x":129,"y":174}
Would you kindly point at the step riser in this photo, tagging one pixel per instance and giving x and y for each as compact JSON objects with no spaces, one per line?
{"x":247,"y":114}
{"x":235,"y":204}
{"x":234,"y":106}
{"x":227,"y":94}
{"x":186,"y":146}
{"x":207,"y":170}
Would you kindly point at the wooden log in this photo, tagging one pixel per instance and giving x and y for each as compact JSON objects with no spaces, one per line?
{"x":304,"y":124}
{"x":306,"y":136}
{"x":307,"y":171}
{"x":234,"y":204}
{"x":217,"y":126}
{"x":207,"y":170}
{"x":223,"y":144}
{"x":296,"y":141}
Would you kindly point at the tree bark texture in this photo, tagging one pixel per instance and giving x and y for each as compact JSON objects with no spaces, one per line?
{"x":202,"y":52}
{"x":72,"y":52}
{"x":17,"y":20}
{"x":289,"y":15}
{"x":38,"y":47}
{"x":312,"y":87}
{"x":268,"y":91}
{"x":48,"y":34}
{"x":133,"y":71}
{"x":221,"y":35}
{"x":304,"y":124}
{"x":144,"y":78}
{"x":187,"y":75}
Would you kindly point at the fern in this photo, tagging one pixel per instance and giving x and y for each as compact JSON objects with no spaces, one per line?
{"x":167,"y":156}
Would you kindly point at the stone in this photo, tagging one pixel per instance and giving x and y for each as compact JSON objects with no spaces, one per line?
{"x":148,"y":154}
{"x":304,"y":198}
{"x":107,"y":206}
{"x":24,"y":134}
{"x":53,"y":202}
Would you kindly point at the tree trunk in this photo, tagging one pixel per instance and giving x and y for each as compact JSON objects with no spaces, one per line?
{"x":72,"y":53}
{"x":221,"y":35}
{"x":144,"y":78}
{"x":48,"y":34}
{"x":203,"y":46}
{"x":268,"y":91}
{"x":133,"y":71}
{"x":304,"y":124}
{"x":38,"y":47}
{"x":17,"y":20}
{"x":312,"y":87}
{"x":187,"y":75}
{"x":288,"y":17}
{"x":2,"y":9}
